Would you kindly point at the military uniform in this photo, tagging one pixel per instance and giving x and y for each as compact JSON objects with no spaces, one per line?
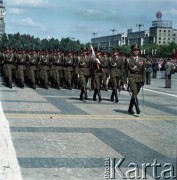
{"x":21,"y":67}
{"x":44,"y":69}
{"x":84,"y":73}
{"x":9,"y":66}
{"x":98,"y":76}
{"x":56,"y":68}
{"x":116,"y":71}
{"x":105,"y":64}
{"x":69,"y":63}
{"x":33,"y":61}
{"x":136,"y":77}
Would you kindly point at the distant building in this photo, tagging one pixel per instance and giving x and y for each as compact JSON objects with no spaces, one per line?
{"x":108,"y":42}
{"x":139,"y":37}
{"x":160,"y":33}
{"x":2,"y":16}
{"x":174,"y":38}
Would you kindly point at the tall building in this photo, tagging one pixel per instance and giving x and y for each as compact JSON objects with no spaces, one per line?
{"x":2,"y":16}
{"x":174,"y":38}
{"x":161,"y":31}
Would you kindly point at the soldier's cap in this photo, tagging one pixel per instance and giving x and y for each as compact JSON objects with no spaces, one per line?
{"x":134,"y":47}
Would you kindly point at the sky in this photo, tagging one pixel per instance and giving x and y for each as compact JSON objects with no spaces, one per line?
{"x":79,"y":19}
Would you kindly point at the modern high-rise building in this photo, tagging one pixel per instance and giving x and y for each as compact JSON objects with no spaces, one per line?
{"x":2,"y":16}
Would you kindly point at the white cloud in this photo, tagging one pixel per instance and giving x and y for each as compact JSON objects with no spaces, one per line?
{"x":89,"y":13}
{"x":15,"y":11}
{"x":173,"y":11}
{"x":28,"y":22}
{"x":29,"y":3}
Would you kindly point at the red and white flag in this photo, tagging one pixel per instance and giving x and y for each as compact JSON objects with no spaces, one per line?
{"x":93,"y":52}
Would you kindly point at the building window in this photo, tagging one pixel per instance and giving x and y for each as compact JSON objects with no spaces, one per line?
{"x":159,"y":38}
{"x":168,"y":30}
{"x":168,"y":38}
{"x":174,"y":34}
{"x":159,"y":42}
{"x":164,"y":42}
{"x":160,"y":30}
{"x":164,"y":30}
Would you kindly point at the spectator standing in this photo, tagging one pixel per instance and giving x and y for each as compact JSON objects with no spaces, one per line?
{"x":155,"y":67}
{"x":168,"y":68}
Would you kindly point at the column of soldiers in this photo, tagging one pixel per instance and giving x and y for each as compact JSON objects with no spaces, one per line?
{"x":72,"y":70}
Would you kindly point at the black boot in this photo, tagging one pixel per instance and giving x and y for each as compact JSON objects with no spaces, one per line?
{"x":85,"y":93}
{"x":95,"y":93}
{"x":99,"y":95}
{"x":10,"y":85}
{"x":137,"y":106}
{"x":33,"y":86}
{"x":81,"y":94}
{"x":130,"y":109}
{"x":116,"y":96}
{"x":112,"y":95}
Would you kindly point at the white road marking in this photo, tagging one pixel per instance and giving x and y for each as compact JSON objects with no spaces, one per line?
{"x":9,"y":167}
{"x":172,"y":95}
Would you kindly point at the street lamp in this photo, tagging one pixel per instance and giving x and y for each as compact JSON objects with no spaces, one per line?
{"x":73,"y":44}
{"x":140,"y":25}
{"x":94,"y":34}
{"x":113,"y":30}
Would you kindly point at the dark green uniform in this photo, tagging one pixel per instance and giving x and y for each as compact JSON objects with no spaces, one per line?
{"x":136,"y":77}
{"x":69,"y":62}
{"x":105,"y":62}
{"x":98,"y":76}
{"x":44,"y":69}
{"x":21,"y":68}
{"x":9,"y":67}
{"x":33,"y":61}
{"x":116,"y":66}
{"x":84,"y":73}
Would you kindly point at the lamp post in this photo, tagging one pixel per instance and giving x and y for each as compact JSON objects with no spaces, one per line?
{"x":139,"y":26}
{"x":113,"y":30}
{"x":94,"y":34}
{"x":72,"y":44}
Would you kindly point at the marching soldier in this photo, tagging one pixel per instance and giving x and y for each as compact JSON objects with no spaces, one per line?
{"x":21,"y":67}
{"x":98,"y":75}
{"x":57,"y":67}
{"x":136,"y":77}
{"x":1,"y":62}
{"x":84,"y":72}
{"x":116,"y":65}
{"x":69,"y":63}
{"x":44,"y":69}
{"x":124,"y":73}
{"x":33,"y":61}
{"x":104,"y":59}
{"x":9,"y":66}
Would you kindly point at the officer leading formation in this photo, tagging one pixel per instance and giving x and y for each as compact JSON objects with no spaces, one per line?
{"x":81,"y":70}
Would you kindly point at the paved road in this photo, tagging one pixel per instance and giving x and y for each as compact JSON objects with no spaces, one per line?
{"x":52,"y":135}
